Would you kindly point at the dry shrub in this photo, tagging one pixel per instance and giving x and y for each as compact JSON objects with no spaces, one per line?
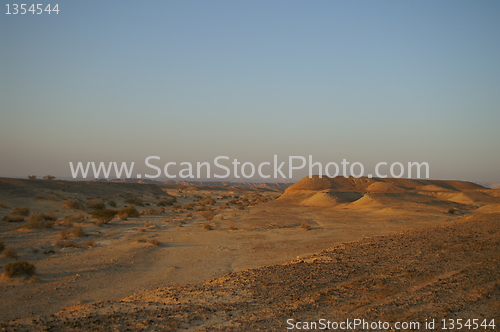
{"x":306,"y":227}
{"x":232,"y":226}
{"x":18,"y":269}
{"x":73,"y":204}
{"x":96,"y":204}
{"x":164,"y":202}
{"x":89,"y":243}
{"x":103,"y":216}
{"x":68,"y":221}
{"x":208,"y":201}
{"x":49,"y":216}
{"x":63,"y":234}
{"x":2,"y":246}
{"x":207,"y":214}
{"x":154,"y":242}
{"x":13,"y":218}
{"x":20,"y":211}
{"x":141,"y":230}
{"x":9,"y":253}
{"x":128,"y":212}
{"x":77,"y":232}
{"x":134,"y":200}
{"x":38,"y":221}
{"x":65,"y":244}
{"x":152,"y":211}
{"x":141,"y":239}
{"x":112,"y":203}
{"x":53,"y":198}
{"x":451,"y":211}
{"x":208,"y":227}
{"x":3,"y":204}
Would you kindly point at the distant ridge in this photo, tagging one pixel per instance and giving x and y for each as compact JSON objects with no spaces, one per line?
{"x":364,"y":183}
{"x":491,"y":185}
{"x":208,"y":183}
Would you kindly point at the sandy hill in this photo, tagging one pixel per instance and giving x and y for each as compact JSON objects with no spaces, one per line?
{"x":365,"y":192}
{"x":50,"y":195}
{"x":30,"y":188}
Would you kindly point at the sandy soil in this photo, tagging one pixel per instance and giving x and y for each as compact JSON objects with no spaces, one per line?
{"x":397,"y":253}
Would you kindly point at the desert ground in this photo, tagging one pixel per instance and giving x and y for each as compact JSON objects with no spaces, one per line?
{"x":222,"y":258}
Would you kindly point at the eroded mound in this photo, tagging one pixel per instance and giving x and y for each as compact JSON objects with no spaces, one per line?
{"x":396,"y":193}
{"x":327,"y":198}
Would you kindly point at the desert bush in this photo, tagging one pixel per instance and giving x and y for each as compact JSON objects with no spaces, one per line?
{"x":9,"y":253}
{"x":128,"y":212}
{"x":31,"y":177}
{"x":53,"y":198}
{"x":112,"y":203}
{"x":63,"y":234}
{"x":208,"y":214}
{"x":3,"y":204}
{"x":306,"y":227}
{"x":208,"y":201}
{"x":96,"y":204}
{"x":73,"y":204}
{"x":49,"y":177}
{"x":20,"y":211}
{"x":208,"y":227}
{"x":49,"y":216}
{"x":37,"y":221}
{"x":19,"y":268}
{"x":2,"y":246}
{"x":13,"y":218}
{"x":232,"y":226}
{"x":89,"y":243}
{"x":65,"y":244}
{"x":152,"y":211}
{"x":77,"y":232}
{"x":68,"y":221}
{"x":165,"y":202}
{"x":154,"y":242}
{"x":103,"y":215}
{"x":134,"y":200}
{"x":451,"y":211}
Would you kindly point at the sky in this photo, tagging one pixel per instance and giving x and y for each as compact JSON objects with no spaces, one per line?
{"x":187,"y":81}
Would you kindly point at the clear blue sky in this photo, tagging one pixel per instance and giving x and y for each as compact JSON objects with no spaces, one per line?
{"x":367,"y":81}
